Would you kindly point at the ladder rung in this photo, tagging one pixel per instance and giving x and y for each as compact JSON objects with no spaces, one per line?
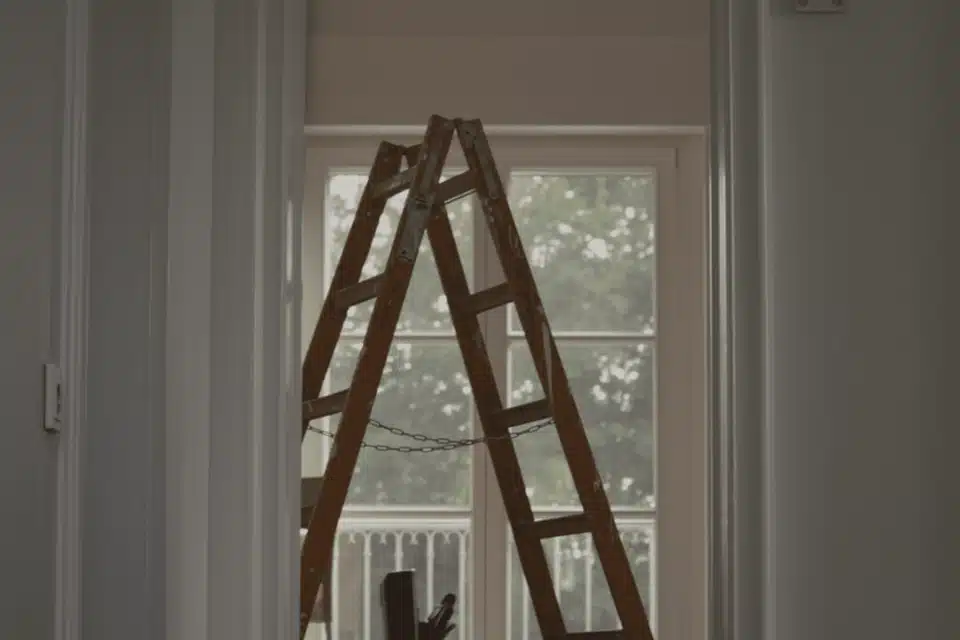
{"x":325,"y":406}
{"x":571,"y":525}
{"x":395,"y":184}
{"x":358,"y":293}
{"x":616,"y":634}
{"x":490,"y":298}
{"x":454,"y":188}
{"x":524,"y":414}
{"x":457,"y":187}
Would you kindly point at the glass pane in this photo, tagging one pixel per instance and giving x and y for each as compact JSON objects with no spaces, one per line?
{"x":613,"y":385}
{"x":425,"y":308}
{"x":590,"y":241}
{"x":579,"y":580}
{"x":424,"y":390}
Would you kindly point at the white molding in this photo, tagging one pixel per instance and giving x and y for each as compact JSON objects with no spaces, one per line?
{"x":236,"y":606}
{"x":736,"y":553}
{"x":235,"y":169}
{"x":188,"y":326}
{"x":293,"y":167}
{"x":73,"y":304}
{"x":509,"y":130}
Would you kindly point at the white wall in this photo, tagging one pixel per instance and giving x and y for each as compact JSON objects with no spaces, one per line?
{"x":509,"y":62}
{"x":863,"y":489}
{"x":32,"y":59}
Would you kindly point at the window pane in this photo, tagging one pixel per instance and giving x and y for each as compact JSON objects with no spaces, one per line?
{"x":590,"y":241}
{"x":578,"y":577}
{"x":613,"y":385}
{"x":424,"y":390}
{"x":425,"y":308}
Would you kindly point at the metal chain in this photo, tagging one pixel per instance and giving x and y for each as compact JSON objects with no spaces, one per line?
{"x":440,"y":443}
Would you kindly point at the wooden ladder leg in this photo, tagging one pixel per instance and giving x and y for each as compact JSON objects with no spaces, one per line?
{"x":359,"y":398}
{"x":598,"y":518}
{"x":349,"y":267}
{"x":464,"y":308}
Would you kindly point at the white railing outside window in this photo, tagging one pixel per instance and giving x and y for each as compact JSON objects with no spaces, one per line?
{"x":435,"y":543}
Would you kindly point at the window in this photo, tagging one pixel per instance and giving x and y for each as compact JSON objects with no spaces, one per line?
{"x":617,"y":259}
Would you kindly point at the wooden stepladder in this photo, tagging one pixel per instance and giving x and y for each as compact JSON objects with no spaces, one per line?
{"x":425,"y":212}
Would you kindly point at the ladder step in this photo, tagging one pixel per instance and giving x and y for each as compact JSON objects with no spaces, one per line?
{"x":524,"y":414}
{"x":490,"y":298}
{"x":616,"y":634}
{"x":459,"y":186}
{"x":571,"y":525}
{"x":358,"y":293}
{"x":325,"y":406}
{"x":395,"y":184}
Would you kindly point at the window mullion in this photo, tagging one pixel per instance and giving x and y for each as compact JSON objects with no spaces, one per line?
{"x":492,"y":518}
{"x":315,"y":256}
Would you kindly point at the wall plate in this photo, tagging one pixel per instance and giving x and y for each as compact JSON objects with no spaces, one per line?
{"x":821,"y":6}
{"x":52,"y":397}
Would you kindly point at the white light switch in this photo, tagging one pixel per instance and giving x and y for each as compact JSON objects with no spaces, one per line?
{"x":821,"y":6}
{"x":52,"y":397}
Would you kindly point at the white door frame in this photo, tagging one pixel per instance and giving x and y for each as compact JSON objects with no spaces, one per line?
{"x":71,"y":312}
{"x":233,"y":472}
{"x":738,"y":544}
{"x":240,"y":498}
{"x":274,"y":30}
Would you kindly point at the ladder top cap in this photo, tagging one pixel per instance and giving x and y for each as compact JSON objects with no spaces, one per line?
{"x":391,"y":147}
{"x":453,"y":121}
{"x":440,"y":121}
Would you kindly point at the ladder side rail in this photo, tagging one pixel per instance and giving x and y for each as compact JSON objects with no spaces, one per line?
{"x":318,"y":544}
{"x":489,"y":405}
{"x":349,"y":268}
{"x":533,"y":319}
{"x":553,"y":378}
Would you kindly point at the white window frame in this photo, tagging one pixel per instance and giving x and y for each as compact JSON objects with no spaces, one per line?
{"x":680,"y":338}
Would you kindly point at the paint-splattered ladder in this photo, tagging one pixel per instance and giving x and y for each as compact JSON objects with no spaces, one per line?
{"x":425,"y":212}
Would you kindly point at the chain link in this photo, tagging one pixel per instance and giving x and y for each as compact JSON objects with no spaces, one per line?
{"x":439,"y":443}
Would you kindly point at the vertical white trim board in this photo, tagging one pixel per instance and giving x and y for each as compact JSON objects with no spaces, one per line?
{"x":292,"y":184}
{"x":72,"y":313}
{"x":736,"y":372}
{"x":232,"y":393}
{"x":188,"y":325}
